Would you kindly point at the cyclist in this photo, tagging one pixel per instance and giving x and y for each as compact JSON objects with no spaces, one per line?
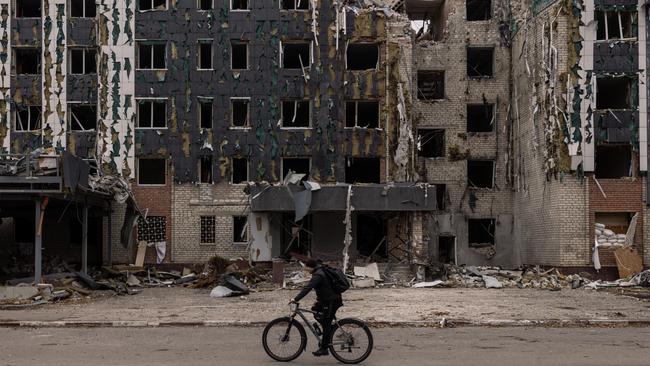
{"x":327,"y":303}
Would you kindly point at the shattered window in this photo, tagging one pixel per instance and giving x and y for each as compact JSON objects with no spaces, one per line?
{"x":152,"y":113}
{"x":205,"y":113}
{"x":239,"y":4}
{"x":151,"y":171}
{"x":239,"y":170}
{"x":431,"y":84}
{"x":239,"y":111}
{"x":480,"y":173}
{"x":614,"y":92}
{"x":480,"y":232}
{"x":205,"y":169}
{"x":362,"y":56}
{"x":239,"y":55}
{"x":478,"y":10}
{"x":364,"y":114}
{"x":295,"y":113}
{"x":613,"y":161}
{"x":152,"y":5}
{"x":83,"y":8}
{"x":362,"y":170}
{"x":240,"y":229}
{"x":431,"y":142}
{"x":615,"y":25}
{"x":205,"y":55}
{"x":205,"y":4}
{"x":296,"y":55}
{"x":208,"y":232}
{"x":296,"y":165}
{"x":294,"y":4}
{"x":480,"y":117}
{"x":28,"y":8}
{"x":151,"y":55}
{"x":480,"y":62}
{"x":28,"y":118}
{"x":27,"y":60}
{"x":82,"y":117}
{"x":83,"y":61}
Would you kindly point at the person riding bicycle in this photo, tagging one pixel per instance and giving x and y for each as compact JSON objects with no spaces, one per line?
{"x":327,"y":303}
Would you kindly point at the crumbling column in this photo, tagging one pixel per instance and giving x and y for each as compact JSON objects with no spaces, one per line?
{"x":419,"y":258}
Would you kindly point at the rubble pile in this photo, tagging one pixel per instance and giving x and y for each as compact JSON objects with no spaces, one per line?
{"x":216,"y":268}
{"x":606,"y":238}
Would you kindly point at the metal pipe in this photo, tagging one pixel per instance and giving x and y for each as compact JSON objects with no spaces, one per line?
{"x":38,"y":237}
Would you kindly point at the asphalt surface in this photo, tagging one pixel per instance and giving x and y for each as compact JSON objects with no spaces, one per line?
{"x":393,"y":346}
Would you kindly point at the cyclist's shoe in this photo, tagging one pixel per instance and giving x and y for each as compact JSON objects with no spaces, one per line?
{"x":321,"y":352}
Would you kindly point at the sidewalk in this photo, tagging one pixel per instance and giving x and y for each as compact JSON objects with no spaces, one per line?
{"x":390,"y":307}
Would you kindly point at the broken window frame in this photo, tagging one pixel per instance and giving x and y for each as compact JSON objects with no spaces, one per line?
{"x":628,"y":91}
{"x":480,"y":48}
{"x":420,"y":94}
{"x":151,"y":124}
{"x":16,"y":8}
{"x":205,"y":222}
{"x":282,"y":163}
{"x":199,"y":54}
{"x":152,"y":8}
{"x":74,"y":121}
{"x":295,"y":5}
{"x":348,"y":167}
{"x":492,"y":108}
{"x":32,"y":110}
{"x":84,"y":9}
{"x":85,"y":51}
{"x":201,"y":102}
{"x":473,"y":185}
{"x":433,"y":133}
{"x":247,"y":125}
{"x":633,"y":16}
{"x":295,"y":108}
{"x":248,"y":6}
{"x":151,"y":184}
{"x":356,"y":113}
{"x":468,"y":3}
{"x":14,"y":57}
{"x":306,"y":65}
{"x":491,"y":231}
{"x":243,"y":232}
{"x":152,"y":60}
{"x":210,"y":175}
{"x":232,"y":53}
{"x":232,"y":171}
{"x":199,"y":8}
{"x":347,"y":47}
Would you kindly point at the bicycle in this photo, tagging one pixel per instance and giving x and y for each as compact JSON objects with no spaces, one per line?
{"x":282,"y":332}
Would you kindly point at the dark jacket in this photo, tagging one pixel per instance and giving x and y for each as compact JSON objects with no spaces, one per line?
{"x":322,"y":285}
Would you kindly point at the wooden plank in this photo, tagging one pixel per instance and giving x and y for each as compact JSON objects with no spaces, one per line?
{"x":142,"y":250}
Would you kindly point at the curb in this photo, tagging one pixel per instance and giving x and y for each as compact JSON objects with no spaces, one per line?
{"x":449,"y":323}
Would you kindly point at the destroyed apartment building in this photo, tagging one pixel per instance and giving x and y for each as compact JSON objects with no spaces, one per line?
{"x":408,"y":132}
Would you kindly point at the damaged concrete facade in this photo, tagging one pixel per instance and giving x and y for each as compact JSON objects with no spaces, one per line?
{"x":428,"y":130}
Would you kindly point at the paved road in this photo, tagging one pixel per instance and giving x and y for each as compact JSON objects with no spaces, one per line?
{"x":403,"y":346}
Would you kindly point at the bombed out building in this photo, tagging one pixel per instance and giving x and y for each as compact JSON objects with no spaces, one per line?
{"x":476,"y":132}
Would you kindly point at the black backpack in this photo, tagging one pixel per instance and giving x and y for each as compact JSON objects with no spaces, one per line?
{"x":337,"y":278}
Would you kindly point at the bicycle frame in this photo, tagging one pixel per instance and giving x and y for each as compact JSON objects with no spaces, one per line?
{"x":301,"y":313}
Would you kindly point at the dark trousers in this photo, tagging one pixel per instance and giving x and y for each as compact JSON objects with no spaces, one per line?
{"x":327,"y":311}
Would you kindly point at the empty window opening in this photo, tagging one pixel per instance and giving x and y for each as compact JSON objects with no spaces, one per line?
{"x":83,"y":8}
{"x":83,"y":61}
{"x":480,"y":232}
{"x":205,"y":113}
{"x":152,"y":113}
{"x":151,"y":55}
{"x":613,"y":161}
{"x":239,"y":55}
{"x":240,"y":229}
{"x":479,"y":62}
{"x":295,"y":4}
{"x":362,"y":170}
{"x":618,"y":222}
{"x":441,"y":196}
{"x":28,"y":118}
{"x":295,"y":113}
{"x":205,"y":55}
{"x":239,"y":170}
{"x":428,"y":18}
{"x":478,"y":10}
{"x":480,"y":117}
{"x":239,"y":4}
{"x":296,"y":55}
{"x":296,"y":165}
{"x":208,"y":232}
{"x":151,"y":171}
{"x":431,"y":143}
{"x":371,"y":237}
{"x":205,"y":4}
{"x":28,"y":8}
{"x":614,"y":92}
{"x":447,"y":249}
{"x":431,"y":84}
{"x":152,"y":5}
{"x":480,"y":173}
{"x":239,"y":109}
{"x":83,"y":117}
{"x":362,"y":114}
{"x":28,"y":60}
{"x":362,"y":56}
{"x":205,"y":169}
{"x":615,"y":25}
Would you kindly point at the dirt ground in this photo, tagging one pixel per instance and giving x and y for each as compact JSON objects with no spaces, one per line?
{"x":390,"y":305}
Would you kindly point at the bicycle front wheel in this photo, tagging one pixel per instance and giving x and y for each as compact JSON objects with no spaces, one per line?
{"x":284,"y":339}
{"x":351,"y":341}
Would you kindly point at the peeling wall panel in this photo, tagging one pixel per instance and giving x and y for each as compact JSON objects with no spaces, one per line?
{"x":5,"y":76}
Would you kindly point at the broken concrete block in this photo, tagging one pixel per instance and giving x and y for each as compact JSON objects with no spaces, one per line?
{"x":371,"y":270}
{"x":17,"y":292}
{"x":221,"y":291}
{"x":491,"y":282}
{"x":132,"y":281}
{"x":363,"y":282}
{"x":427,"y":284}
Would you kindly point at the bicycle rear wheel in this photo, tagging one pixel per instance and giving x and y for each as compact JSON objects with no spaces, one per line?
{"x":284,"y":339}
{"x":351,"y":341}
